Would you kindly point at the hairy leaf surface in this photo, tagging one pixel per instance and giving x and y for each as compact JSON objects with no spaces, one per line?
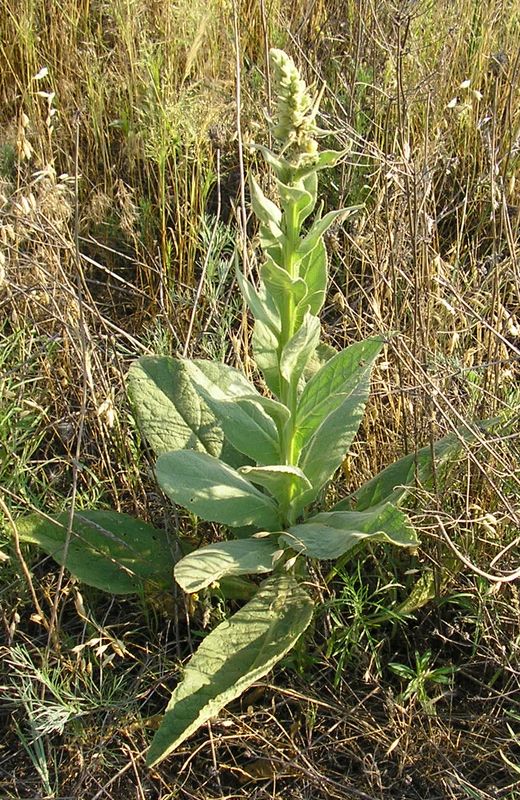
{"x":266,"y":211}
{"x":301,"y":197}
{"x":108,"y":550}
{"x":331,"y":534}
{"x":313,"y":270}
{"x":330,"y":413}
{"x":214,"y":491}
{"x":338,"y":379}
{"x":239,"y":408}
{"x":278,"y":479}
{"x":265,"y":350}
{"x":208,"y":564}
{"x":300,"y":348}
{"x":259,"y":304}
{"x":280,"y":285}
{"x":170,"y":412}
{"x":237,"y":653}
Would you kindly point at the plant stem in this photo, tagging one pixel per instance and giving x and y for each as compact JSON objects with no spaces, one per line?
{"x":289,"y":389}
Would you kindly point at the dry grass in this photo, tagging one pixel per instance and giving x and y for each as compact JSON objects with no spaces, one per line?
{"x":104,"y":213}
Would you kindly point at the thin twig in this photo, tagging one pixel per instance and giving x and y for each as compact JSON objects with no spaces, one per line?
{"x":508,"y":578}
{"x":207,"y":257}
{"x":52,"y":637}
{"x":23,"y":564}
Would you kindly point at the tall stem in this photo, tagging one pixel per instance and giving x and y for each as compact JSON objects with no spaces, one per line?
{"x":289,"y":389}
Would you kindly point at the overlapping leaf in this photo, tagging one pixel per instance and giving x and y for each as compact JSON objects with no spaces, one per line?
{"x":331,"y":534}
{"x":331,"y":409}
{"x":170,"y":412}
{"x":214,"y":491}
{"x":278,"y":479}
{"x":239,"y":408}
{"x":313,"y":270}
{"x":299,"y":198}
{"x":299,"y":349}
{"x":209,"y":564}
{"x":265,"y":350}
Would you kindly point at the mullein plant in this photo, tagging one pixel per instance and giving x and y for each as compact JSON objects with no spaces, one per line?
{"x":279,"y":449}
{"x":257,"y":462}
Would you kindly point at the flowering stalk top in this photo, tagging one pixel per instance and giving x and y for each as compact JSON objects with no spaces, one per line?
{"x":295,"y":123}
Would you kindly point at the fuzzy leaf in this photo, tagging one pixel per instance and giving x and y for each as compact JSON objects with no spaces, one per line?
{"x":171,"y":414}
{"x":300,"y":348}
{"x":329,"y":415}
{"x":209,"y":564}
{"x":313,"y":270}
{"x":320,"y":227}
{"x":279,"y":284}
{"x":332,"y":534}
{"x":266,"y":211}
{"x":239,"y":408}
{"x":341,"y":377}
{"x":280,"y":166}
{"x":265,"y":350}
{"x":396,"y":481}
{"x":260,"y":306}
{"x":108,"y":550}
{"x":278,"y":479}
{"x":303,"y":197}
{"x":271,"y":240}
{"x":214,"y":491}
{"x":231,"y":658}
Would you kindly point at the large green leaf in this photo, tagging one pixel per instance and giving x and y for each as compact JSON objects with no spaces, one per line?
{"x":208,"y":564}
{"x":170,"y":412}
{"x":237,"y":653}
{"x":214,"y":491}
{"x":340,"y":377}
{"x":331,"y":409}
{"x":108,"y":550}
{"x":239,"y":408}
{"x":313,"y":270}
{"x":332,"y":534}
{"x":396,"y":481}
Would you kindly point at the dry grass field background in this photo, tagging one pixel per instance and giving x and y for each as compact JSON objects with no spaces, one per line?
{"x":124,"y":131}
